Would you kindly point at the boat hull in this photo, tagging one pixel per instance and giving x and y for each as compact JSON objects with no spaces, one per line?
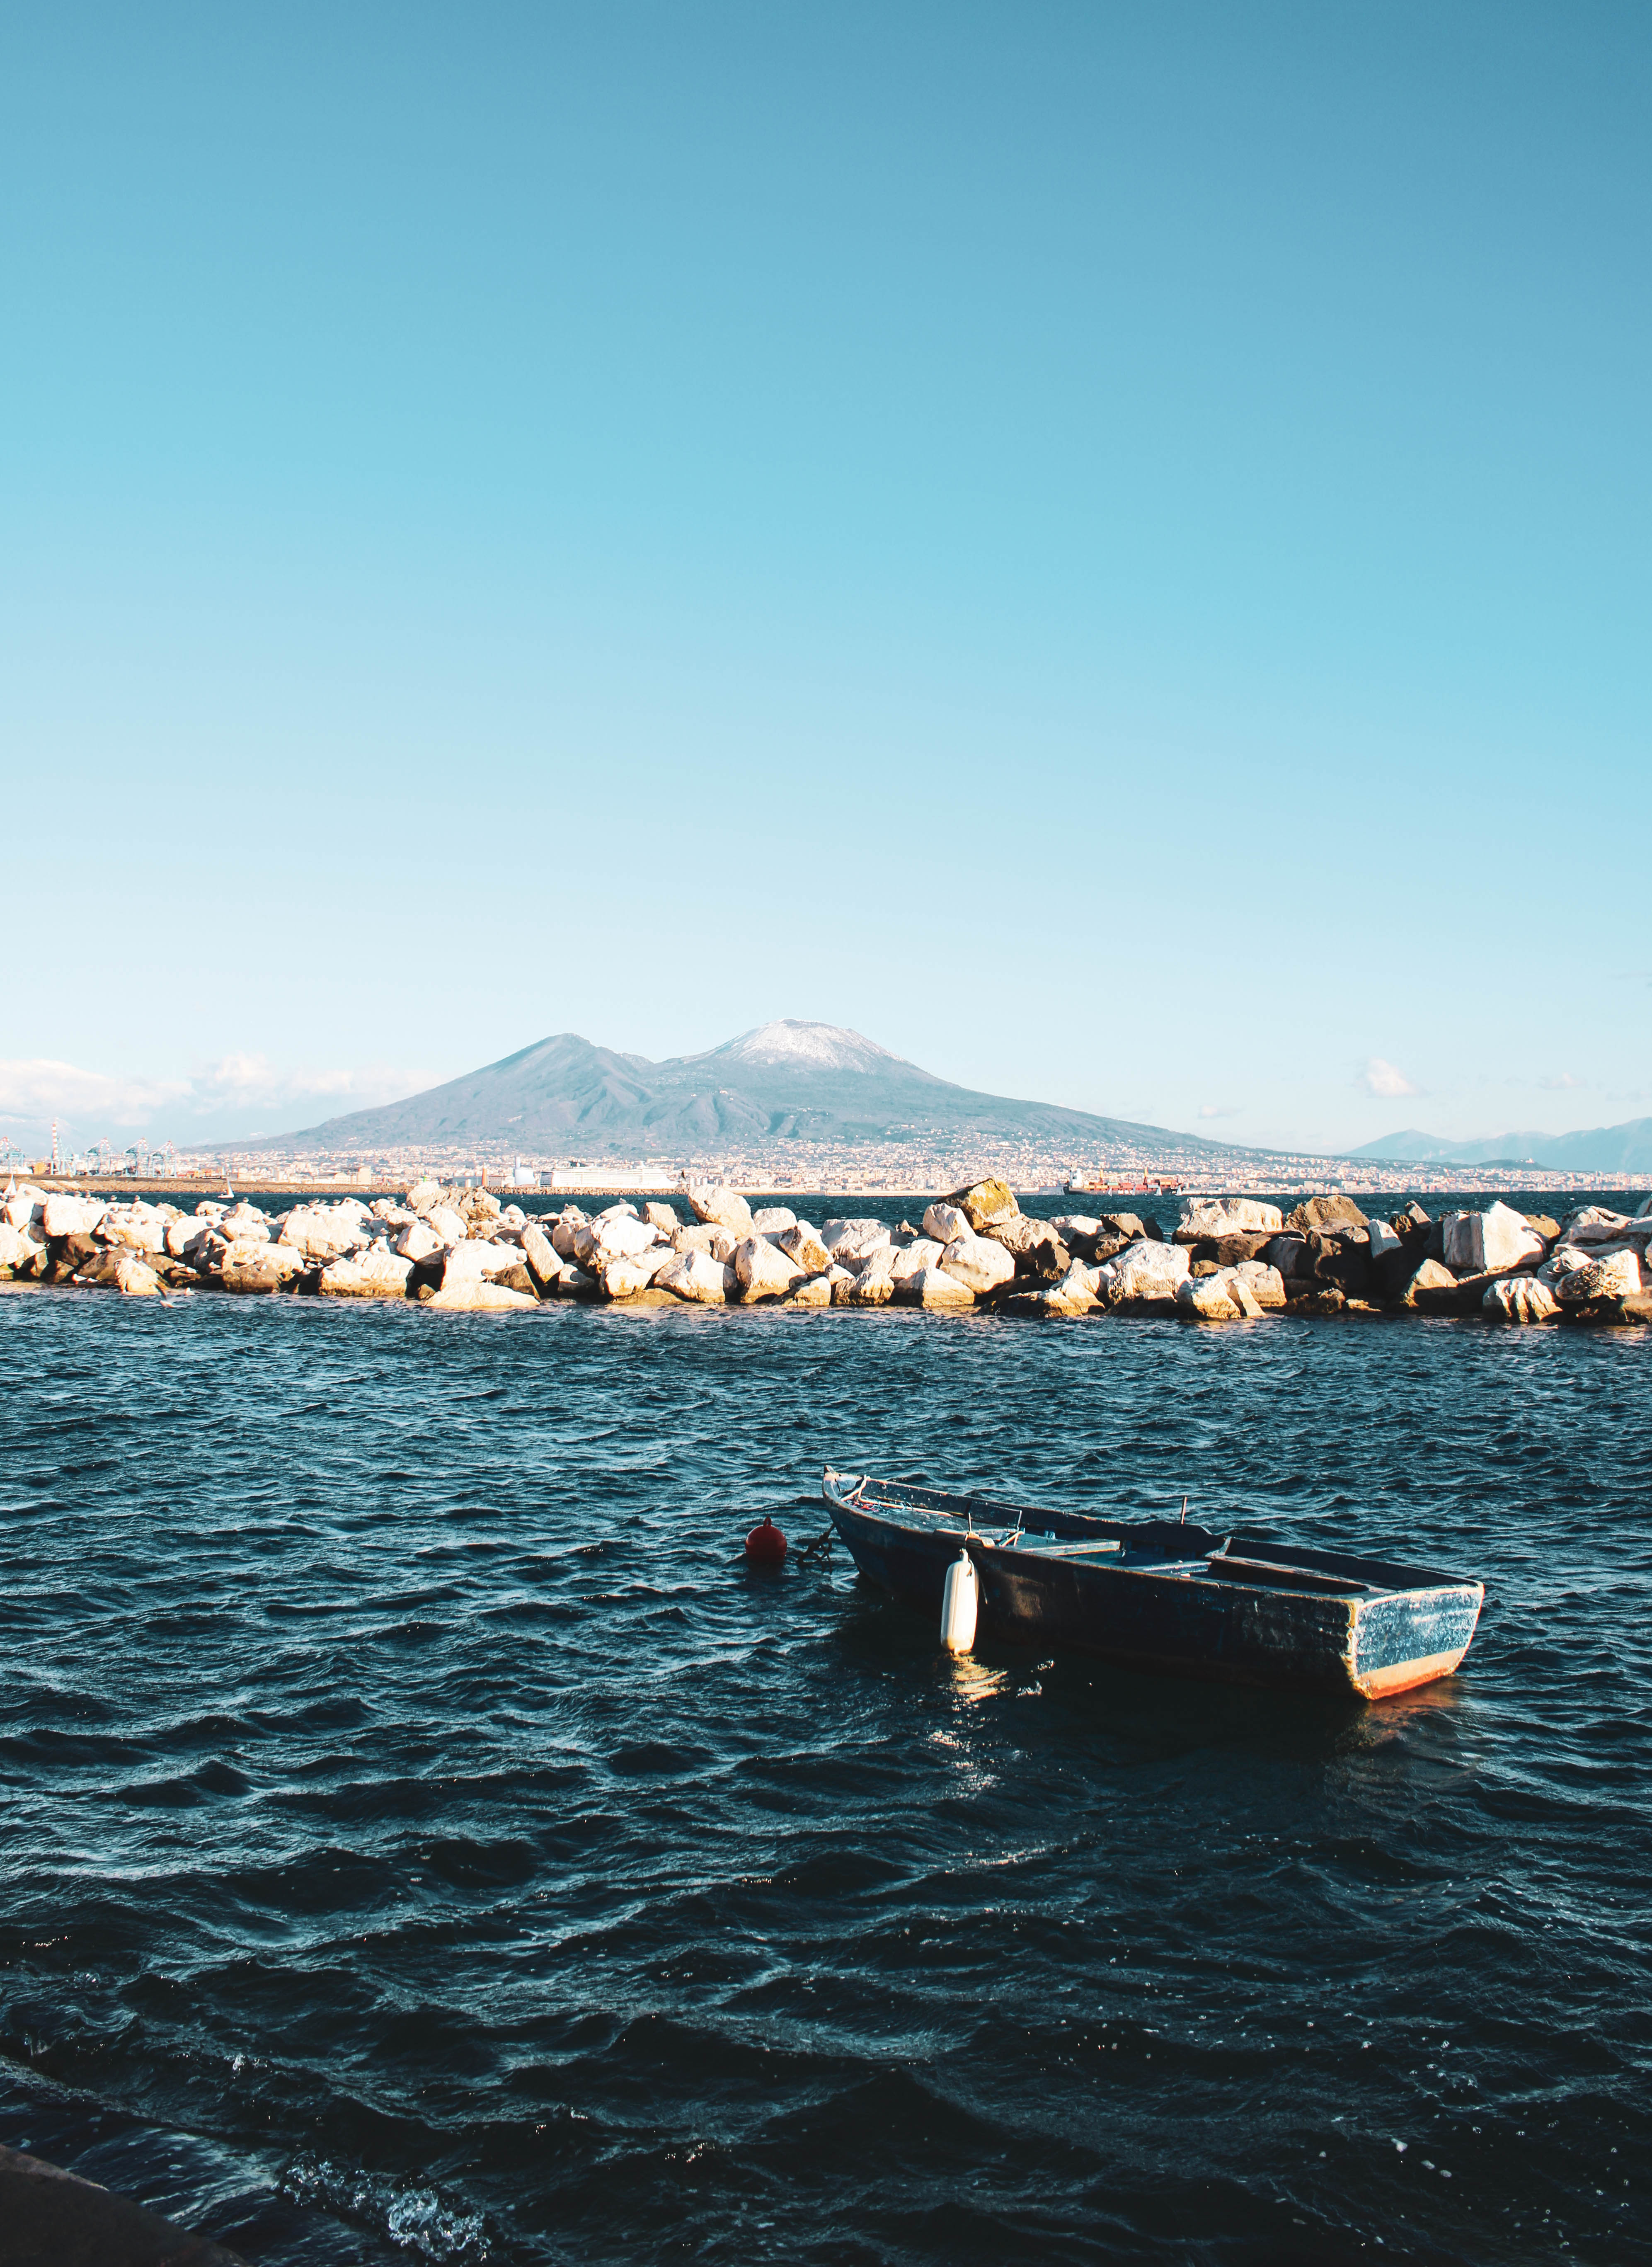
{"x":1311,"y":1621}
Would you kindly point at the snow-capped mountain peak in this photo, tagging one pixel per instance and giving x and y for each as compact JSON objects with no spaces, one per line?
{"x":808,"y":1046}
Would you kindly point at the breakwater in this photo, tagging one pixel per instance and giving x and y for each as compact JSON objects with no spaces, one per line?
{"x":1222,"y":1260}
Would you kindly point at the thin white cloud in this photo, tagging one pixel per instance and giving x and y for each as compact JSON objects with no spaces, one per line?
{"x":1219,"y":1109}
{"x":1385,"y":1080}
{"x":1562,"y":1084}
{"x":87,"y":1104}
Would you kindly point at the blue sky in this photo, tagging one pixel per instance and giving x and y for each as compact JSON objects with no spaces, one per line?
{"x":1104,"y":547}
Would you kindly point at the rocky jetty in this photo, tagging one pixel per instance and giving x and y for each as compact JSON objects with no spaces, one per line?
{"x":1227,"y":1259}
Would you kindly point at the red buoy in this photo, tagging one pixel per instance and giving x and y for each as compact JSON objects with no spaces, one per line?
{"x":766,"y":1545}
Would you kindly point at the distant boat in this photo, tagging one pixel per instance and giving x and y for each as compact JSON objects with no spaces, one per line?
{"x":1163,"y":1595}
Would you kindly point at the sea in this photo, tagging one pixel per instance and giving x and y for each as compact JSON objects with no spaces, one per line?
{"x":423,"y":1839}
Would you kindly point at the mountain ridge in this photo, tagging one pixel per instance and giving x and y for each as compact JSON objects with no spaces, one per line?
{"x":790,"y":1080}
{"x":1622,"y":1148}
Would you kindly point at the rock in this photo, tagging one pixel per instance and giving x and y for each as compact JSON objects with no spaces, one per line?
{"x":377,"y":1272}
{"x":138,"y":1226}
{"x":1224,"y":1297}
{"x":420,"y":1242}
{"x":1519,"y":1299}
{"x":186,"y":1239}
{"x":1383,"y":1240}
{"x":622,"y":1274}
{"x":253,"y":1266}
{"x":873,"y":1286}
{"x":942,"y":1222}
{"x":61,"y":1215}
{"x":695,"y":1276}
{"x":476,"y":1295}
{"x":1619,"y":1277}
{"x":853,"y":1243}
{"x":716,"y":1200}
{"x":536,"y":1250}
{"x":1229,"y":1251}
{"x":1428,"y":1279}
{"x":1212,"y":1216}
{"x":563,"y":1229}
{"x":1034,"y":1245}
{"x":1540,"y":1225}
{"x":1322,"y":1299}
{"x":816,"y":1292}
{"x":1595,"y":1224}
{"x":978,"y":1263}
{"x":772,"y":1220}
{"x":324,"y":1231}
{"x":611,"y":1235}
{"x":924,"y":1251}
{"x":1336,"y":1211}
{"x":246,"y":1225}
{"x":939,"y":1287}
{"x":574,"y":1283}
{"x":801,"y":1245}
{"x":1289,"y":1254}
{"x":444,"y":1222}
{"x":1489,"y":1243}
{"x":473,"y":1260}
{"x":16,"y":1249}
{"x":1145,"y":1274}
{"x":765,"y":1272}
{"x":1076,"y":1293}
{"x":662,"y":1218}
{"x":725,"y":1242}
{"x":135,"y":1276}
{"x":422,"y":1195}
{"x":1079,"y":1232}
{"x":984,"y":1205}
{"x":697,"y":1238}
{"x":1265,"y":1284}
{"x":478,"y":1208}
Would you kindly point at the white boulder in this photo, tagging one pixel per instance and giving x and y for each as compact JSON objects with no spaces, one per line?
{"x":536,"y":1250}
{"x":1265,"y":1284}
{"x":852,"y":1243}
{"x":136,"y":1277}
{"x":473,"y":1261}
{"x":716,"y":1200}
{"x":945,"y":1223}
{"x":420,"y":1242}
{"x":764,"y":1271}
{"x":977,"y":1262}
{"x":1224,"y":1297}
{"x":1618,"y":1277}
{"x":813,"y":1292}
{"x":1383,"y":1239}
{"x":376,"y":1272}
{"x":939,"y":1287}
{"x":1205,"y":1217}
{"x":1595,"y":1224}
{"x":924,"y":1251}
{"x":695,"y":1276}
{"x":16,"y":1249}
{"x":476,"y":1294}
{"x":1148,"y":1271}
{"x":622,"y":1274}
{"x":662,"y":1218}
{"x":612,"y":1235}
{"x":1519,"y":1299}
{"x":802,"y":1245}
{"x":1492,"y":1241}
{"x":770,"y":1220}
{"x":324,"y":1231}
{"x":63,"y":1216}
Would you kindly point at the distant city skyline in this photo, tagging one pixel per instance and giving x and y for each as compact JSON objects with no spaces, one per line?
{"x":1107,"y":549}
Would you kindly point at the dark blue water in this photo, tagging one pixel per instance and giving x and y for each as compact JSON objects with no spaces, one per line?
{"x":423,"y":1839}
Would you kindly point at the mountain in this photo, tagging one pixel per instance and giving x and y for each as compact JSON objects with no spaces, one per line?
{"x":1605,"y":1149}
{"x":785,"y":1082}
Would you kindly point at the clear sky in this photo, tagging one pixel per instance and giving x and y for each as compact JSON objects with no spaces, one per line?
{"x":1105,"y":546}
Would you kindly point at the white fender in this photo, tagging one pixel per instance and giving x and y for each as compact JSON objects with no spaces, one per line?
{"x":959,"y":1601}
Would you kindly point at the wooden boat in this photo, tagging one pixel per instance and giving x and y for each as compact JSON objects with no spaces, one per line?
{"x":1163,"y":1595}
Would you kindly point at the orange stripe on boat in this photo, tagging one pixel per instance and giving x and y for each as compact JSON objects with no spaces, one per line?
{"x":1402,"y":1675}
